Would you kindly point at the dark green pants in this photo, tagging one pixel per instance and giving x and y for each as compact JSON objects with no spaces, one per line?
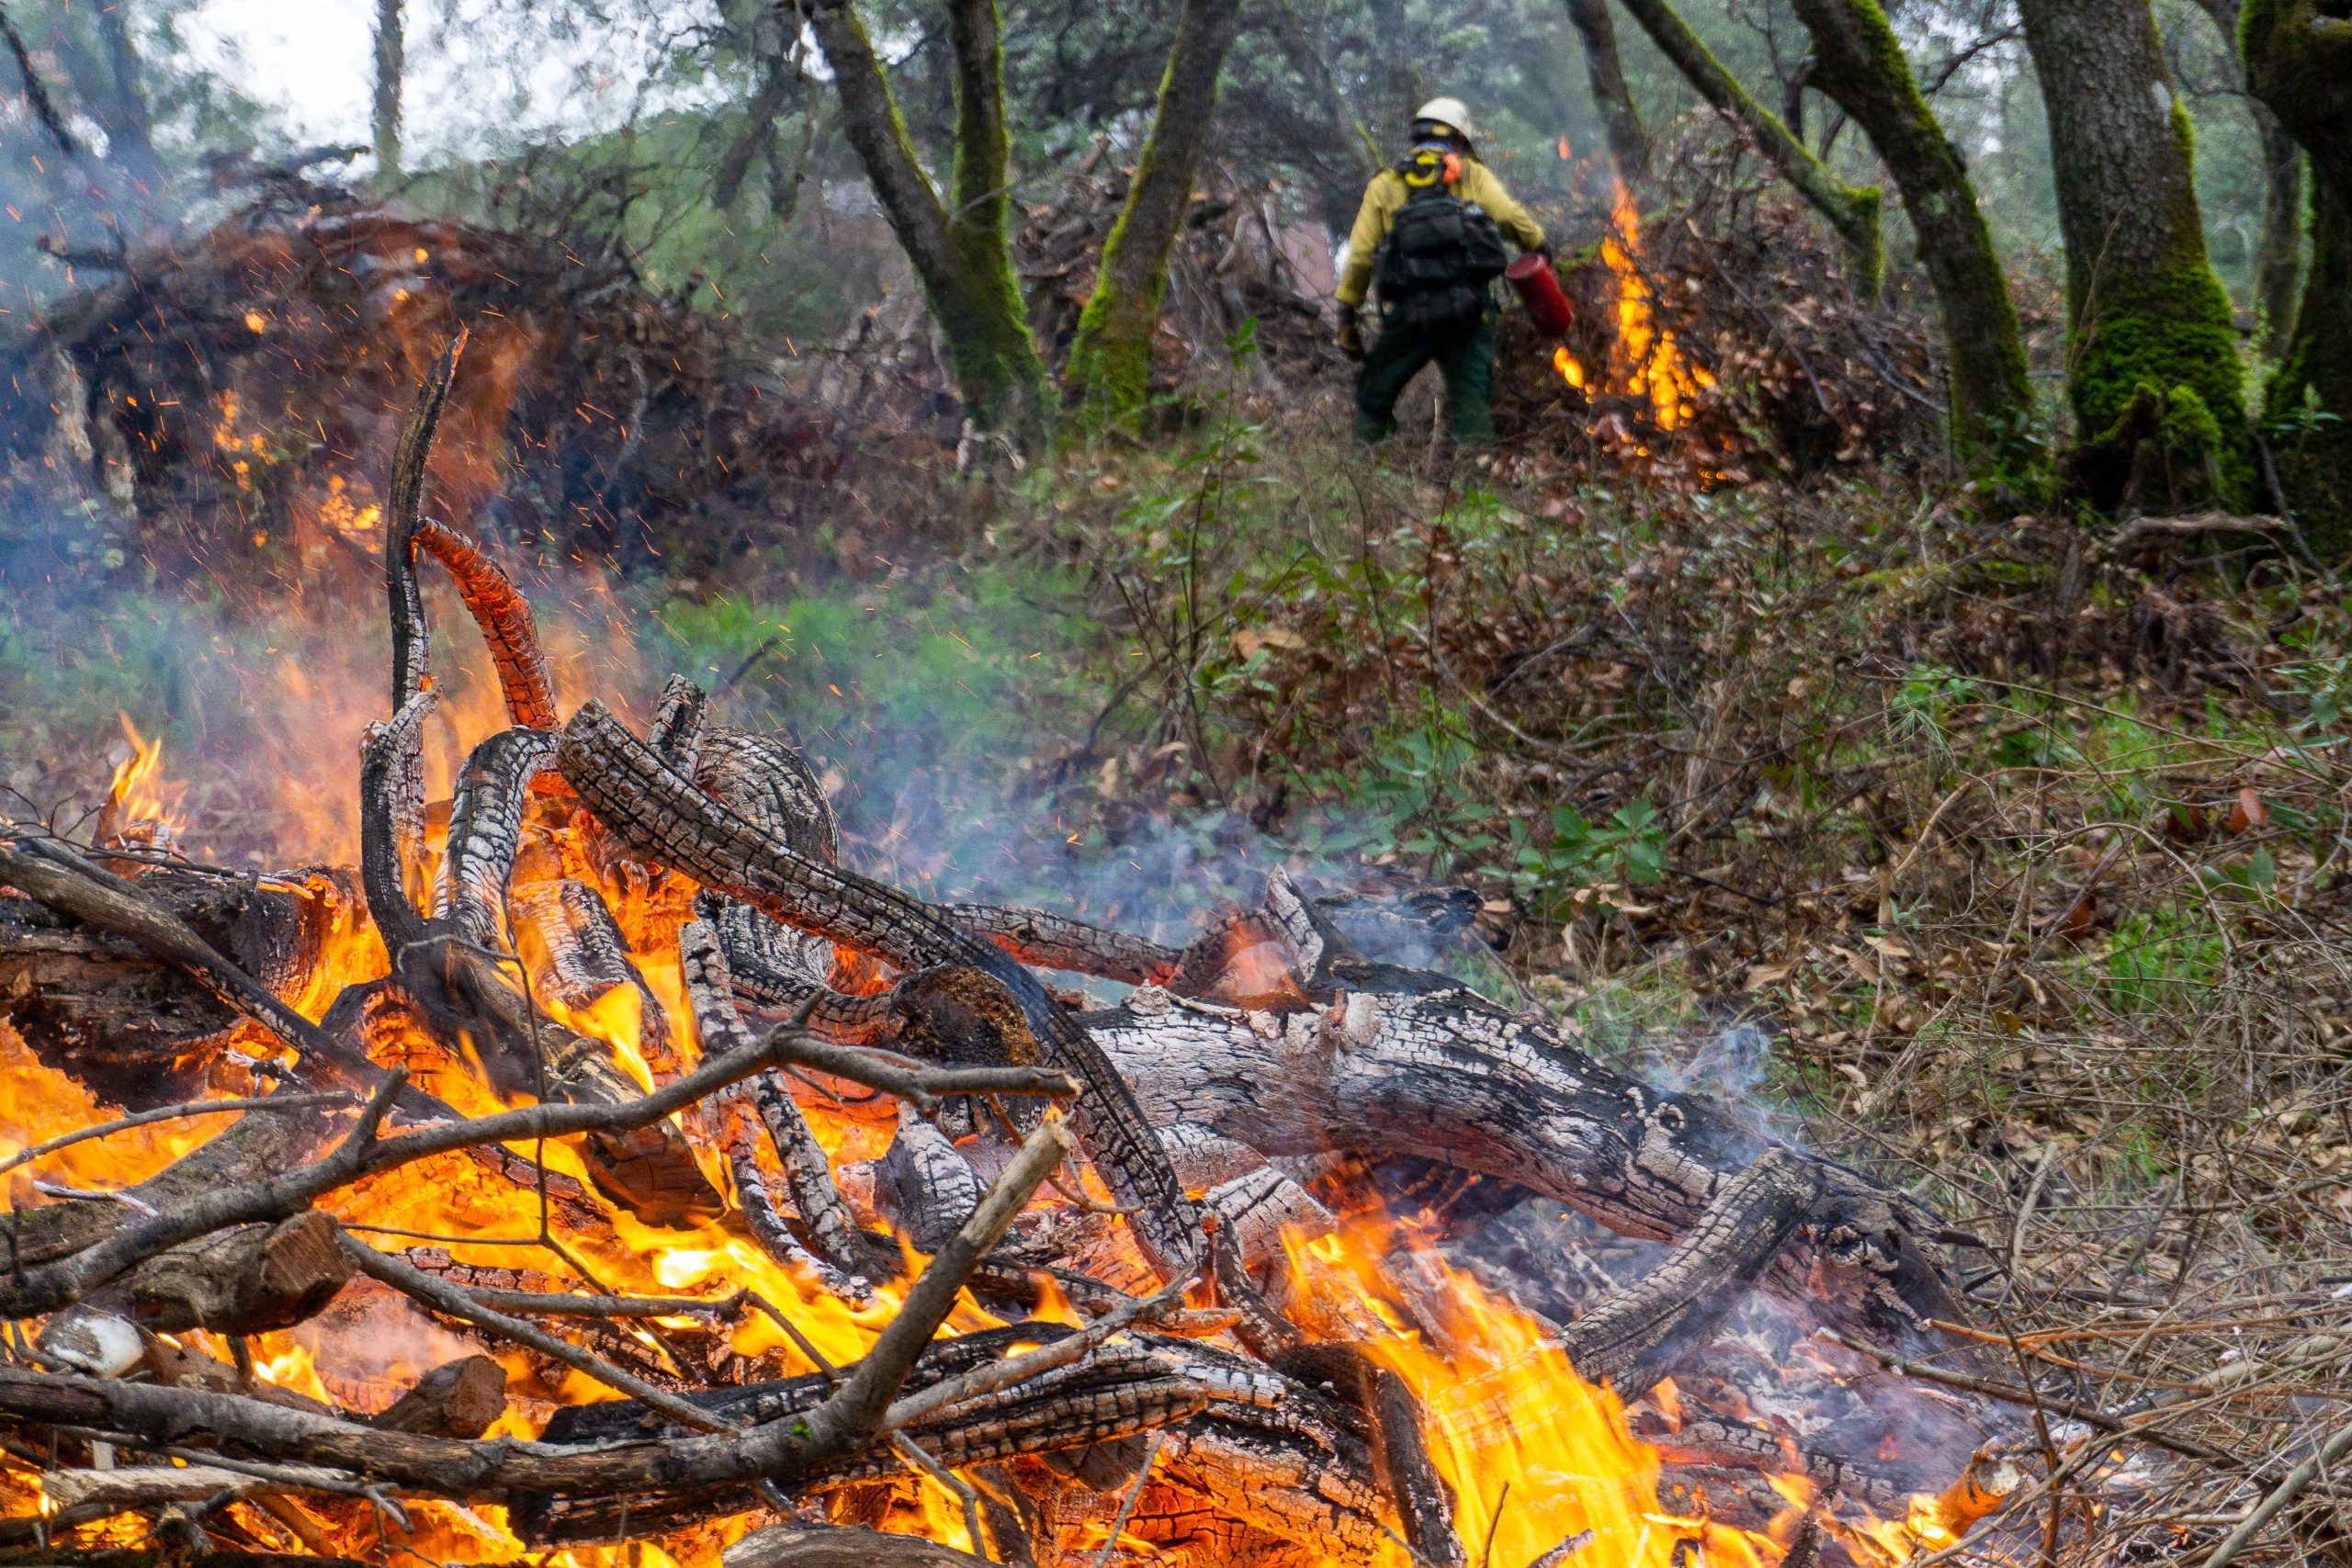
{"x":1464,"y":356}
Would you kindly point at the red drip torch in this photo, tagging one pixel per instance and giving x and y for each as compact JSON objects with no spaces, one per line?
{"x":1539,"y":290}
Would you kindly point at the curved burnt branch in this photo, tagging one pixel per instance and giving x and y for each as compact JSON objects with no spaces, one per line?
{"x":1636,"y":1336}
{"x":836,"y":1254}
{"x":405,"y":497}
{"x":498,"y":608}
{"x":486,"y":829}
{"x":581,"y":956}
{"x":663,"y":818}
{"x":391,"y":819}
{"x":764,"y":780}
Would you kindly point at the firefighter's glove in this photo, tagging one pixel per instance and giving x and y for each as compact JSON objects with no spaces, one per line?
{"x":1350,"y":332}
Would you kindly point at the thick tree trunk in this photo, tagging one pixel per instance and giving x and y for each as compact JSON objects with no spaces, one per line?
{"x":2278,"y":264}
{"x":1851,"y":211}
{"x":959,"y":248}
{"x":391,"y":47}
{"x":1858,"y":62}
{"x":2314,"y":379}
{"x":1604,"y":69}
{"x":2150,"y":322}
{"x":1110,"y":363}
{"x":2298,"y":58}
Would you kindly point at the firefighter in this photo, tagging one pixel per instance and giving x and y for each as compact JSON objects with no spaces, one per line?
{"x":1430,"y":232}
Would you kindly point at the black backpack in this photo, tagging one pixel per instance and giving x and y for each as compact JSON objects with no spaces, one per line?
{"x":1440,"y":253}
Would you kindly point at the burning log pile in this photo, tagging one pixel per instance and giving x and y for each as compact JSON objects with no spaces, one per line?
{"x":608,"y":1160}
{"x":227,"y":393}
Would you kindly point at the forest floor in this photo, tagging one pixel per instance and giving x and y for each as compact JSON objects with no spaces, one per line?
{"x":1982,"y":851}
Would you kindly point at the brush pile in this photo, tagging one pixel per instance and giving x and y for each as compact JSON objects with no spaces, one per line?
{"x":228,"y":395}
{"x":606,"y":1079}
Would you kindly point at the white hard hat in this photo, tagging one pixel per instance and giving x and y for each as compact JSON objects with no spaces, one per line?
{"x":1445,"y":111}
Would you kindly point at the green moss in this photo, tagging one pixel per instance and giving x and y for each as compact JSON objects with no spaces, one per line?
{"x":1109,"y":376}
{"x":997,"y":368}
{"x":2167,"y":326}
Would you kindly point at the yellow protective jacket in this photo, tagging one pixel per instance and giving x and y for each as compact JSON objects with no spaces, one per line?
{"x":1387,"y":194}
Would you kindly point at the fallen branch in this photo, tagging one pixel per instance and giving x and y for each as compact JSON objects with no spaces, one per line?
{"x":362,"y":1154}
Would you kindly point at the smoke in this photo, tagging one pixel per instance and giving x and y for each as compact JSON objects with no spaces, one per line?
{"x":377,"y":1344}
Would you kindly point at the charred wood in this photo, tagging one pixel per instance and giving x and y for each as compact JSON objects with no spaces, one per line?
{"x":1384,"y":1062}
{"x":662,"y":817}
{"x":1636,"y":1337}
{"x":459,"y":1399}
{"x":1056,"y":942}
{"x":504,"y":617}
{"x":841,"y":1546}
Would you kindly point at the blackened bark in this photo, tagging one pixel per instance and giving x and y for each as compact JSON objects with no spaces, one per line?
{"x":2145,"y":308}
{"x":1604,"y":69}
{"x":1110,"y":366}
{"x":1858,"y":62}
{"x":1398,"y":1063}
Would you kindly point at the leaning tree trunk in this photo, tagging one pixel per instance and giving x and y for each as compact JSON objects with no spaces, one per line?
{"x":2298,"y":58}
{"x":2154,"y":377}
{"x":1110,"y":363}
{"x":959,"y":248}
{"x":1851,"y":211}
{"x":1604,"y":69}
{"x":1858,"y":62}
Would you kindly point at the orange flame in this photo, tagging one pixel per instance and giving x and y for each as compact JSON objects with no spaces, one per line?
{"x":1644,"y":359}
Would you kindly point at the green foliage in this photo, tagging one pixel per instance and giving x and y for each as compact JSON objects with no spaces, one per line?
{"x":2164,"y":961}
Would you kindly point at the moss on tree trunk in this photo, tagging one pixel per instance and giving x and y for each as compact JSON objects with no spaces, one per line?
{"x":1109,"y":376}
{"x":1858,"y":62}
{"x":961,"y":249}
{"x":2147,"y":317}
{"x":1851,"y":211}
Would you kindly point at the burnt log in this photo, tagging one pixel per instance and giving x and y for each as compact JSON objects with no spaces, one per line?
{"x":1634,"y":1337}
{"x":665,"y":818}
{"x":250,"y":1279}
{"x":1382,"y":1062}
{"x":133,"y":1026}
{"x":459,"y":1399}
{"x":255,"y":1145}
{"x":452,"y":978}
